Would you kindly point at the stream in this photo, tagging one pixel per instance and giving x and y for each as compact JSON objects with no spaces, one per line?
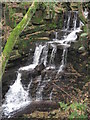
{"x":18,"y":95}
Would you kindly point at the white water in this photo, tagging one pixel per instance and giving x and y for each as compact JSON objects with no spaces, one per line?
{"x":37,"y":54}
{"x":63,"y":62}
{"x":75,"y":21}
{"x":70,"y":38}
{"x":44,"y":55}
{"x":54,"y":50}
{"x":56,"y":35}
{"x":16,"y":97}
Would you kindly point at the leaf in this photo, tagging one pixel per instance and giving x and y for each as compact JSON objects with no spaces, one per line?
{"x":73,"y":115}
{"x":63,"y":105}
{"x":84,"y":117}
{"x":84,"y":34}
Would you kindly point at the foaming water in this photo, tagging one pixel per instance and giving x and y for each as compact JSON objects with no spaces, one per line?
{"x":16,"y":97}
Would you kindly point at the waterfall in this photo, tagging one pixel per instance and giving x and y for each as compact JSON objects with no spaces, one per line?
{"x":17,"y":97}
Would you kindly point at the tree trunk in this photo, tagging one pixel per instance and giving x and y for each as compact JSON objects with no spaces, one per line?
{"x":14,"y":36}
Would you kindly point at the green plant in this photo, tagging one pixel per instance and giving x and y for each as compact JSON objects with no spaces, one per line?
{"x":76,"y":110}
{"x":63,"y":105}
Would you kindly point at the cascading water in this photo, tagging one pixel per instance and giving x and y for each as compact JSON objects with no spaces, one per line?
{"x":17,"y":96}
{"x":44,"y":55}
{"x":37,"y":54}
{"x":68,"y":22}
{"x":54,"y":50}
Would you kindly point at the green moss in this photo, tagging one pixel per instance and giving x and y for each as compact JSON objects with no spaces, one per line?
{"x":52,"y":25}
{"x":15,"y":34}
{"x":37,"y":20}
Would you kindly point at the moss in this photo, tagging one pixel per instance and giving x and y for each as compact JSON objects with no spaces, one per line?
{"x":37,"y":20}
{"x":52,"y":25}
{"x":60,"y":23}
{"x":15,"y":34}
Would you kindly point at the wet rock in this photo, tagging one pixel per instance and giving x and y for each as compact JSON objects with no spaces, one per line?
{"x":52,"y":35}
{"x":50,"y":73}
{"x":8,"y":79}
{"x":28,"y":75}
{"x":37,"y":70}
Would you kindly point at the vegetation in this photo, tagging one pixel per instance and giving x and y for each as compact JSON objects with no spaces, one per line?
{"x":76,"y":110}
{"x":38,"y":21}
{"x":14,"y":36}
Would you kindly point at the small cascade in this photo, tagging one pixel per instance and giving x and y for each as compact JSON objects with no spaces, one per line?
{"x":54,"y":50}
{"x":37,"y":54}
{"x":44,"y":54}
{"x":56,"y":36}
{"x":75,"y":20}
{"x":70,"y":38}
{"x":68,"y":21}
{"x":63,"y":62}
{"x":16,"y":97}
